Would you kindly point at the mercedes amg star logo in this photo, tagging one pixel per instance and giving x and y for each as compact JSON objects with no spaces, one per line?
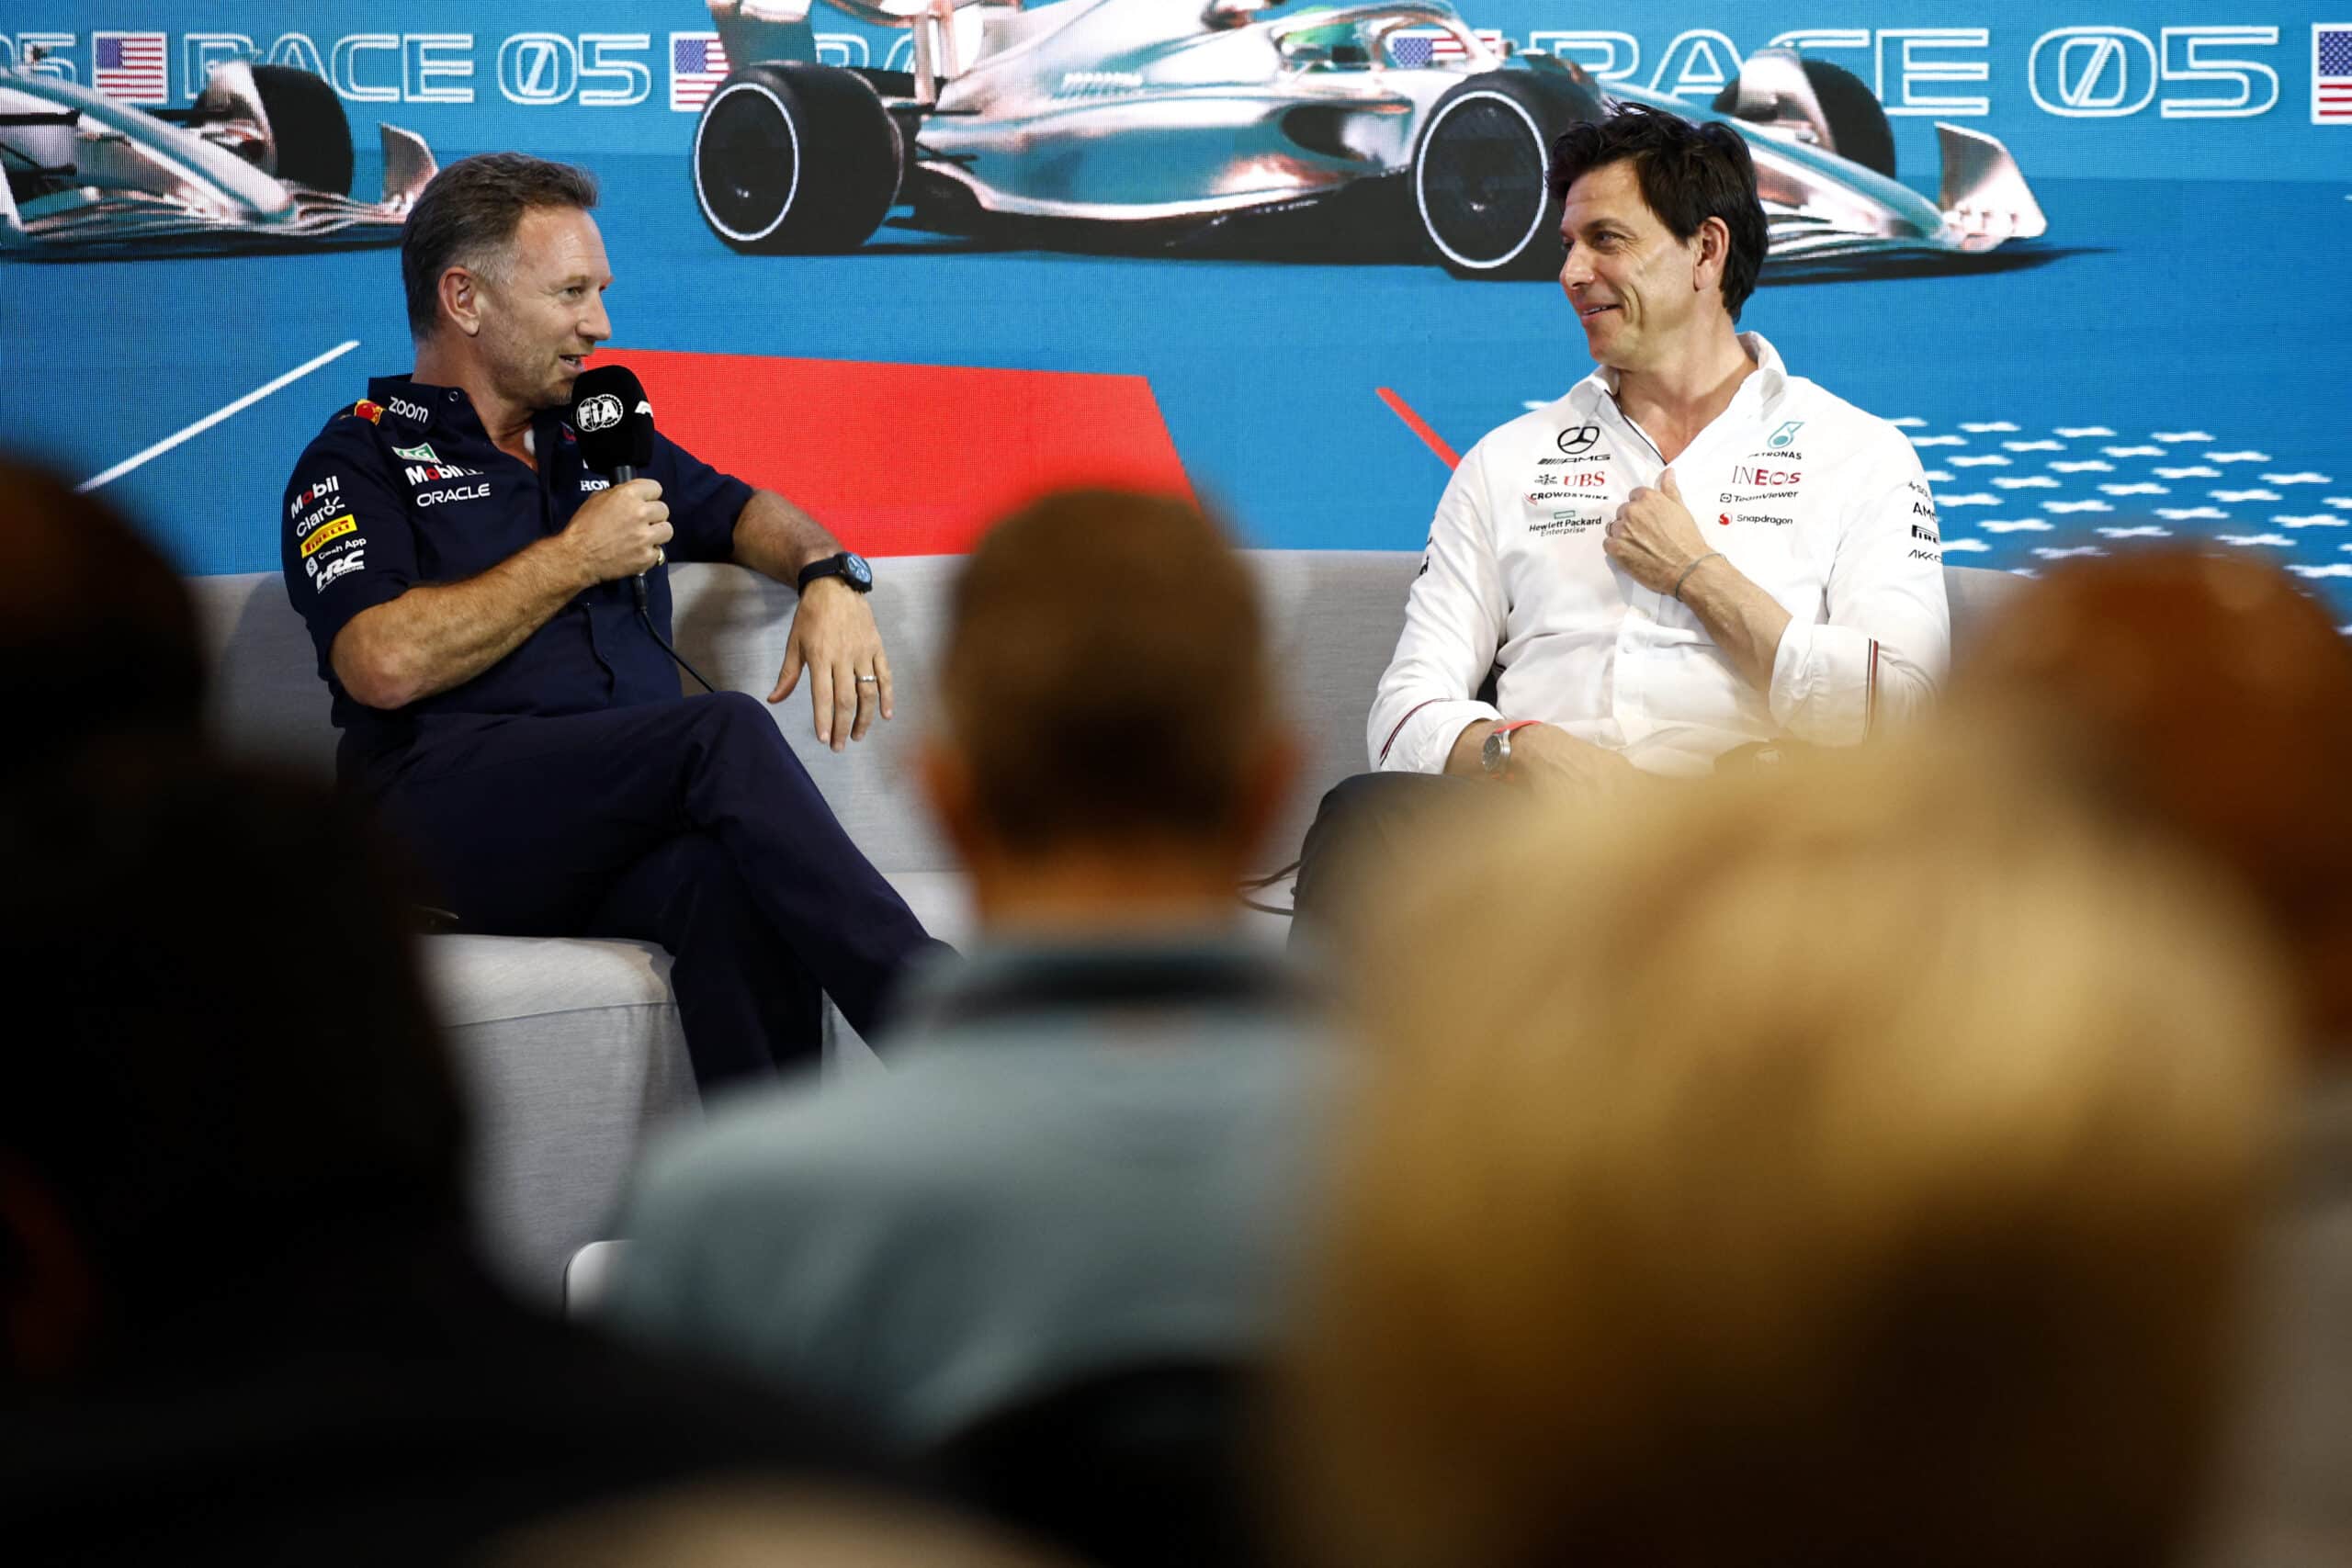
{"x":1579,"y":438}
{"x":600,"y":412}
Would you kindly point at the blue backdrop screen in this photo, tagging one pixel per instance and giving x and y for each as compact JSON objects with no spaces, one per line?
{"x":2166,"y":359}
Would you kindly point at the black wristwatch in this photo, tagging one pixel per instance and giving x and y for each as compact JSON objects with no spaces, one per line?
{"x":849,"y":566}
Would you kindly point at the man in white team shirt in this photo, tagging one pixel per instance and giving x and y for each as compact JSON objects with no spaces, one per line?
{"x":1692,"y":551}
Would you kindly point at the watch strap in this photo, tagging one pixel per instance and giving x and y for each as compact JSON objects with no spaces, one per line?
{"x":835,"y":565}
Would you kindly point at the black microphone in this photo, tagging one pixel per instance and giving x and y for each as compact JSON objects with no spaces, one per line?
{"x":615,"y":423}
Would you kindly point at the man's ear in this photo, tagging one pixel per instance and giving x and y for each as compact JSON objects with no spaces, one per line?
{"x":1714,"y":240}
{"x":49,"y":1298}
{"x":1267,"y":779}
{"x":461,"y":299}
{"x":946,"y":779}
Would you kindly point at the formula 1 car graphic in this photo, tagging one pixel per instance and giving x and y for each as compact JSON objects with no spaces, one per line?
{"x":263,"y":157}
{"x":1186,"y":114}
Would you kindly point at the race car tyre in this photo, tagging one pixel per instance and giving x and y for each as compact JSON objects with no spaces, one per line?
{"x":795,"y":159}
{"x":1477,"y":177}
{"x":1858,"y":130}
{"x":307,"y":123}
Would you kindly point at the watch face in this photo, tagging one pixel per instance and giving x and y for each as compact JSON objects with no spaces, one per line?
{"x":1492,"y":753}
{"x":853,"y":566}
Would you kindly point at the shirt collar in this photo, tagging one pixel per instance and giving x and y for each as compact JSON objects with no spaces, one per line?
{"x":1189,"y":970}
{"x":402,"y":400}
{"x":1770,"y":379}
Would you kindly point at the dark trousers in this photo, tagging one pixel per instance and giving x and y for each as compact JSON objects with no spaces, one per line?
{"x":1364,"y":834}
{"x":686,"y":823}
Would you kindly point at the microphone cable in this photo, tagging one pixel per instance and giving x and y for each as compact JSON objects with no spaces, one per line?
{"x":645,"y":618}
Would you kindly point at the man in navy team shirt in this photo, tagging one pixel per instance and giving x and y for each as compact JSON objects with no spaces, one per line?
{"x":466,"y":579}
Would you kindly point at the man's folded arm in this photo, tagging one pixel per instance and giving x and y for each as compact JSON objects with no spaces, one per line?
{"x":437,"y":636}
{"x":1453,"y":621}
{"x":1881,"y":657}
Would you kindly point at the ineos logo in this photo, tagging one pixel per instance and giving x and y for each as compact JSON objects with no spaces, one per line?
{"x":600,"y":412}
{"x":1579,"y":438}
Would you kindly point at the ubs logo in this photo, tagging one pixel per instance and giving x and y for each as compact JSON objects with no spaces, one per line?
{"x":1577,"y":439}
{"x":600,"y":412}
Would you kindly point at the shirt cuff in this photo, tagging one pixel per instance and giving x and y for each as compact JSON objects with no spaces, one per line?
{"x":1825,"y":683}
{"x":1421,"y":740}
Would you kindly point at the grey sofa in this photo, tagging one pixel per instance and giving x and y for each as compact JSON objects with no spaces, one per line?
{"x":570,"y":1048}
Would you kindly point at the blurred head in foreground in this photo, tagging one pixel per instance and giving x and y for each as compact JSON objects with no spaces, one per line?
{"x":1846,"y":1164}
{"x":233,"y":1073}
{"x":1109,"y":736}
{"x":746,"y":1525}
{"x":97,"y":631}
{"x":2213,"y":694}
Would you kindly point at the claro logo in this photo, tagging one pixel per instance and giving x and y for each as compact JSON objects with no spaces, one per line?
{"x":600,"y":412}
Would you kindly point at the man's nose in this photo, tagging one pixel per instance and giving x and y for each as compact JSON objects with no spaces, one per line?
{"x":599,"y":326}
{"x":1575,"y":266}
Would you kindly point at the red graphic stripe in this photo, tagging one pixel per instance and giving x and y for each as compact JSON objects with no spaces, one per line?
{"x":1419,"y":427}
{"x":910,"y":459}
{"x":1870,"y":693}
{"x":1400,"y":727}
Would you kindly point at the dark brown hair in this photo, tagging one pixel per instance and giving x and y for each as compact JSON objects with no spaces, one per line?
{"x":1105,"y":674}
{"x":1689,"y":173}
{"x":236,"y":1067}
{"x":468,"y":215}
{"x":97,"y":632}
{"x":2213,"y":694}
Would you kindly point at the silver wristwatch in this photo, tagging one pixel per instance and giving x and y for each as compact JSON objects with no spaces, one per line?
{"x":1495,"y":755}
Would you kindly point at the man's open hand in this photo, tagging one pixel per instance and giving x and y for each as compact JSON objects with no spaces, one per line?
{"x":1653,"y":536}
{"x":834,"y":639}
{"x":1549,"y":760}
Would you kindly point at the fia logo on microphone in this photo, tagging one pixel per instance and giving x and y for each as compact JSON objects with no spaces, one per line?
{"x":600,"y":412}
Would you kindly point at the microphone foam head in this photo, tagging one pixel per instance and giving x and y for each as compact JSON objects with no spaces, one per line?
{"x":613,"y":419}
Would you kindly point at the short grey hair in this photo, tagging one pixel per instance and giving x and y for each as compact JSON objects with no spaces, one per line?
{"x":467,"y":216}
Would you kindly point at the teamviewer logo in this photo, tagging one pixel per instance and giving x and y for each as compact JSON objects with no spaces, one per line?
{"x":600,"y":412}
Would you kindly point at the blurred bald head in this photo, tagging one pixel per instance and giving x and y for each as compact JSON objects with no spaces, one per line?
{"x":2216,"y":693}
{"x":97,"y":634}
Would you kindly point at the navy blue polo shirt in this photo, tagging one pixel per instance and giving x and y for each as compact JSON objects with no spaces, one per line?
{"x":405,"y":488}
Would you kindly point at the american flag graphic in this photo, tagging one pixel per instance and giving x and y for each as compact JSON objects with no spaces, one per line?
{"x":129,"y":66}
{"x":1424,"y":47}
{"x":2331,"y":73}
{"x":1431,"y":46}
{"x":697,"y":64}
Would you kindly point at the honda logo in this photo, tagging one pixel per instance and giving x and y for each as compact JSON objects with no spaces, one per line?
{"x":600,"y":412}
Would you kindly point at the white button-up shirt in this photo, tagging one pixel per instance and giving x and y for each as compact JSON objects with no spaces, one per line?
{"x":1823,"y":506}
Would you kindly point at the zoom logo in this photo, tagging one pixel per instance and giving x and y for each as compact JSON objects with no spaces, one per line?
{"x":1577,"y":439}
{"x":600,"y":412}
